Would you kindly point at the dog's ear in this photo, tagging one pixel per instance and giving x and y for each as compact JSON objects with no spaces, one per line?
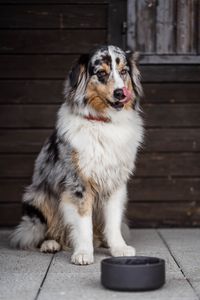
{"x":78,"y":70}
{"x":133,"y":58}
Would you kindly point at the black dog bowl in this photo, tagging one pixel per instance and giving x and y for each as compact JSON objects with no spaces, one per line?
{"x":134,"y":273}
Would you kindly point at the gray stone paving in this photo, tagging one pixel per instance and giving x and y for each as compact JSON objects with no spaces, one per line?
{"x":30,"y":275}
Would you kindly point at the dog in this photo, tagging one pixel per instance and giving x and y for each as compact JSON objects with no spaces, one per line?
{"x":78,"y":193}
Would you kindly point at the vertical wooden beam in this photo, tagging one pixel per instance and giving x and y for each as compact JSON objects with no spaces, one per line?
{"x":117,"y":23}
{"x":131,"y":25}
{"x":146,"y":26}
{"x":198,"y":26}
{"x":165,"y":27}
{"x":186,"y":26}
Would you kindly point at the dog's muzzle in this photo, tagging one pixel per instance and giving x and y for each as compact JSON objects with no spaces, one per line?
{"x":121,"y":96}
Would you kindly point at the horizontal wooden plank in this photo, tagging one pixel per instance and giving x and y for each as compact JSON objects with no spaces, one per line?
{"x":139,"y":214}
{"x":148,"y":165}
{"x":166,"y":115}
{"x":168,"y":164}
{"x":171,"y":93}
{"x":15,"y":166}
{"x":36,"y":66}
{"x":31,"y":91}
{"x":12,"y":190}
{"x":22,"y":141}
{"x":37,"y":116}
{"x":172,"y":140}
{"x":169,"y":59}
{"x":140,"y":189}
{"x":28,"y":116}
{"x":50,"y":91}
{"x":10,"y":214}
{"x":156,"y":140}
{"x":50,"y":41}
{"x":52,"y":16}
{"x":164,"y":214}
{"x":24,"y":2}
{"x":170,"y":73}
{"x":164,"y":189}
{"x":57,"y":67}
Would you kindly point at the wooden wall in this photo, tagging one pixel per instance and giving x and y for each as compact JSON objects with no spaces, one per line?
{"x":166,"y":190}
{"x":39,"y":40}
{"x":165,"y":30}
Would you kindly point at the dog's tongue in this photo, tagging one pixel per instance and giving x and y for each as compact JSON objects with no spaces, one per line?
{"x":126,"y":92}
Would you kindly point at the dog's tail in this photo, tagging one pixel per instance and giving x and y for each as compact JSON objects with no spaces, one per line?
{"x":31,"y":231}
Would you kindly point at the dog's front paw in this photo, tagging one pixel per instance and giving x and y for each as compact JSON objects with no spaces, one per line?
{"x":82,"y":258}
{"x":123,"y":251}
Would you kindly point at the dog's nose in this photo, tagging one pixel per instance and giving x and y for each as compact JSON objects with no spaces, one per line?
{"x":119,"y":94}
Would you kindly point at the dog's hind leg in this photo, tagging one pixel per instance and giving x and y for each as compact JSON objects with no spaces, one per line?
{"x":28,"y":234}
{"x":31,"y":231}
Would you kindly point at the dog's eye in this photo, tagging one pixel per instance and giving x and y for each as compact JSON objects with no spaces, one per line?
{"x":101,"y":73}
{"x":123,"y":72}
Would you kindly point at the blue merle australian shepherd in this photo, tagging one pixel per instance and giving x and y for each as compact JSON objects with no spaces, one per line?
{"x":79,"y":188}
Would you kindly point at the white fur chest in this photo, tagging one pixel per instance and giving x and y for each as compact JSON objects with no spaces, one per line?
{"x":106,"y":151}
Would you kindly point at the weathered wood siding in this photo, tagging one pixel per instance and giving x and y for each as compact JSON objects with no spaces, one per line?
{"x":163,"y":29}
{"x":39,"y":40}
{"x":166,"y":189}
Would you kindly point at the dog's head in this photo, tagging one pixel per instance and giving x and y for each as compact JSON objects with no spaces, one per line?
{"x":107,"y":78}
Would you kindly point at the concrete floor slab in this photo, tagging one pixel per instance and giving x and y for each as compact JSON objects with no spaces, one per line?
{"x":87,"y":287}
{"x":36,"y":276}
{"x":184,"y":246}
{"x":21,"y":272}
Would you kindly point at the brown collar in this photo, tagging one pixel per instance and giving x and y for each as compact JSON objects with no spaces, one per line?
{"x":98,"y":119}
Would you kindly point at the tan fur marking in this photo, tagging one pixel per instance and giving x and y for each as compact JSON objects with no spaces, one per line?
{"x":56,"y":229}
{"x":96,"y":95}
{"x":93,"y":185}
{"x":106,"y":68}
{"x":84,"y":206}
{"x":97,"y":103}
{"x":121,"y":66}
{"x":97,"y":216}
{"x":46,"y":206}
{"x":128,"y":105}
